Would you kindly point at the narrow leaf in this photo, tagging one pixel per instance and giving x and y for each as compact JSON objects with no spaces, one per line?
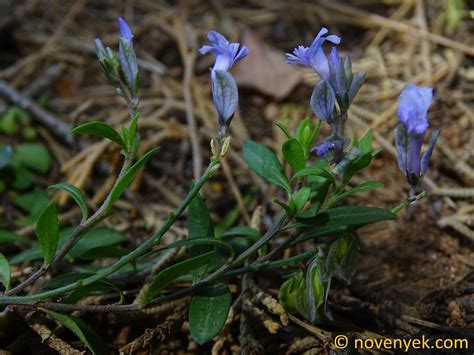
{"x":366,"y":142}
{"x":208,"y":312}
{"x":284,"y":129}
{"x":76,"y":194}
{"x":47,"y":232}
{"x":199,"y":224}
{"x":100,"y":129}
{"x":355,"y":215}
{"x":5,"y":272}
{"x":265,"y":164}
{"x":166,"y":276}
{"x":82,"y":330}
{"x":127,"y":178}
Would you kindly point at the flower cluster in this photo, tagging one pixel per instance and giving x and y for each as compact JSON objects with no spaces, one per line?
{"x":122,"y":72}
{"x":410,"y":133}
{"x":337,"y":85}
{"x":224,"y":88}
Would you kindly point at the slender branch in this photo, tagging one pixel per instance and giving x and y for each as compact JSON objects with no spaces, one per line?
{"x":85,"y":225}
{"x":408,"y":202}
{"x":138,"y":252}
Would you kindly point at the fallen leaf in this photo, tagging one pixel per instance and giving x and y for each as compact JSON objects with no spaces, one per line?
{"x":265,"y":70}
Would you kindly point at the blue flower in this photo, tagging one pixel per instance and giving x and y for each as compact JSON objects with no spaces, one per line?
{"x":410,"y":134}
{"x":413,"y":108}
{"x":329,"y":146}
{"x":125,"y":31}
{"x":224,"y":88}
{"x":128,"y":59}
{"x":226,"y":53}
{"x":314,"y":56}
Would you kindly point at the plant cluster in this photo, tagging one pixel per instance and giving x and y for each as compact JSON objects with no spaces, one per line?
{"x":313,"y":201}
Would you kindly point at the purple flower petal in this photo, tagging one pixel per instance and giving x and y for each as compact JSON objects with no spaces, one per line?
{"x":226,"y":53}
{"x":314,"y":56}
{"x":125,"y":31}
{"x":413,"y":108}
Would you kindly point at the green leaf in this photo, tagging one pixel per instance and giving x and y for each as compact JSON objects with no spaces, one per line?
{"x":10,"y":237}
{"x":366,"y":142}
{"x":199,"y":224}
{"x":302,"y":196}
{"x":354,"y":215}
{"x":284,"y":129}
{"x":100,"y":129}
{"x":32,"y":202}
{"x":250,"y":232}
{"x":344,"y":164}
{"x":76,"y":194}
{"x":133,"y":130}
{"x":34,"y":156}
{"x":47,"y":232}
{"x":5,"y":272}
{"x":82,"y":330}
{"x":208,"y":312}
{"x":166,"y":276}
{"x":23,"y":178}
{"x":294,"y":154}
{"x":127,"y":178}
{"x":96,"y":238}
{"x":99,"y":287}
{"x":357,"y":165}
{"x":265,"y":164}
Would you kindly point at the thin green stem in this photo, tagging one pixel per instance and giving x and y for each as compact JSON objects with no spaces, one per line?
{"x":408,"y":201}
{"x":85,"y":225}
{"x":135,"y":254}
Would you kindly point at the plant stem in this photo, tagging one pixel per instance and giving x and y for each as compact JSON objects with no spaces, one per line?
{"x":408,"y":201}
{"x":138,"y":252}
{"x":79,"y":231}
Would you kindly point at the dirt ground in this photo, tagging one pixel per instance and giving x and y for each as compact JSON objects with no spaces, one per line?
{"x":415,"y":276}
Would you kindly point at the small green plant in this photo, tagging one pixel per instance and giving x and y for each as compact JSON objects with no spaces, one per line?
{"x":312,"y":200}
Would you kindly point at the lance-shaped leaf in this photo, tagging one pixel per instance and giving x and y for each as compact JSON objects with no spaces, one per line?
{"x":82,"y":330}
{"x":401,"y":142}
{"x":47,"y":232}
{"x":76,"y":194}
{"x":323,"y":100}
{"x":164,"y":277}
{"x":208,"y":312}
{"x":127,"y":178}
{"x":427,"y":155}
{"x":199,"y":225}
{"x":265,"y":164}
{"x":100,"y":129}
{"x":225,"y":95}
{"x":5,"y":271}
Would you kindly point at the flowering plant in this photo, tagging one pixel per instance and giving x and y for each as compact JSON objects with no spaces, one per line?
{"x":314,"y":212}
